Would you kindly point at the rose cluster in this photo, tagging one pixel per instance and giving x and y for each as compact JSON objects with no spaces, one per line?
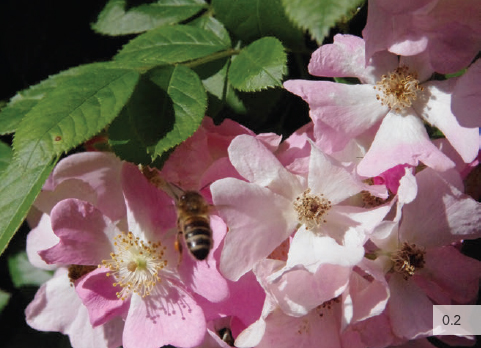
{"x":345,"y":234}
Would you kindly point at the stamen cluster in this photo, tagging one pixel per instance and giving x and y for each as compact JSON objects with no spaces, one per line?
{"x":311,"y":209}
{"x":407,"y":259}
{"x":398,"y":89}
{"x":135,"y":265}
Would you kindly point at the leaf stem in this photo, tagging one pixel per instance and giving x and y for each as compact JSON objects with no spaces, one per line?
{"x":210,"y":58}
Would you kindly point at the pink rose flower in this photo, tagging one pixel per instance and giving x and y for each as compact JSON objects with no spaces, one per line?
{"x":392,"y":103}
{"x":263,"y":212}
{"x":423,"y":267}
{"x":94,"y":177}
{"x":138,"y":278}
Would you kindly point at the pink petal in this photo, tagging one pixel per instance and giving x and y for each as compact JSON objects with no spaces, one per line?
{"x":56,"y":307}
{"x":350,"y":109}
{"x":101,"y":170}
{"x":345,"y":58}
{"x":171,"y":317}
{"x":327,"y":282}
{"x":420,"y":64}
{"x":69,"y":188}
{"x":312,"y":330}
{"x":151,"y":212}
{"x":402,"y":7}
{"x":83,"y":231}
{"x":456,"y":275}
{"x":245,"y":301}
{"x":246,"y":208}
{"x":39,"y":238}
{"x":376,"y":331}
{"x":98,"y":294}
{"x":466,"y":96}
{"x":440,"y":214}
{"x":454,"y":45}
{"x":195,"y":151}
{"x":390,"y":26}
{"x":330,"y":178}
{"x":311,"y":250}
{"x":259,"y":165}
{"x":203,"y":277}
{"x":437,"y":112}
{"x":401,"y":140}
{"x":392,"y":177}
{"x":408,"y":188}
{"x":355,"y":222}
{"x":47,"y":311}
{"x":369,"y":291}
{"x":408,"y":301}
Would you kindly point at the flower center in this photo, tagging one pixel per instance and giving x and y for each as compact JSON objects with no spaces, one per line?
{"x":408,"y":259}
{"x":135,"y":265}
{"x":398,"y":89}
{"x":311,"y":209}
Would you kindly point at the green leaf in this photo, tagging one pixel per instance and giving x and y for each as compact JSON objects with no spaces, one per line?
{"x":5,"y":156}
{"x":19,"y":186}
{"x":145,"y":120}
{"x":24,"y":101}
{"x":211,"y":24}
{"x":114,"y":20}
{"x":124,"y":142}
{"x":22,"y":272}
{"x":189,"y":101}
{"x":4,"y":298}
{"x":80,"y":107}
{"x":260,"y":65}
{"x":318,"y":16}
{"x":347,"y":80}
{"x":253,"y":19}
{"x":168,"y":45}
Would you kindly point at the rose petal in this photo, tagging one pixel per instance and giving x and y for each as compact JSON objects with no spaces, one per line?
{"x":84,"y":232}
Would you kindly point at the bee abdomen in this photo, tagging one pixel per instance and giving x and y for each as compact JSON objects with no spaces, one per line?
{"x":198,"y":237}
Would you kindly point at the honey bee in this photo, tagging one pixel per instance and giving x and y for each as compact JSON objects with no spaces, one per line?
{"x":76,"y":272}
{"x":193,"y":223}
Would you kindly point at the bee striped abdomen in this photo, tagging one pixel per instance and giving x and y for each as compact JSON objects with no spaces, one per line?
{"x":198,"y":236}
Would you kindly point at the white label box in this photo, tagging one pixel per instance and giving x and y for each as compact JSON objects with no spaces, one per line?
{"x":460,"y":320}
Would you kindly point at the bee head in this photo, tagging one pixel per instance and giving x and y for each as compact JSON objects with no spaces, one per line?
{"x":192,"y":202}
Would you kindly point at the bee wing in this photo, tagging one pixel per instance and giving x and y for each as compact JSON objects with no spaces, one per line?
{"x":172,"y":190}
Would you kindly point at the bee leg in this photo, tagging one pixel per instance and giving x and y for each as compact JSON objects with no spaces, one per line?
{"x":178,"y":245}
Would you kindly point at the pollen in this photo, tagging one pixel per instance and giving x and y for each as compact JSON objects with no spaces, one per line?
{"x":135,"y":265}
{"x":326,"y":306}
{"x":311,"y":209}
{"x":408,"y":259}
{"x":398,"y":89}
